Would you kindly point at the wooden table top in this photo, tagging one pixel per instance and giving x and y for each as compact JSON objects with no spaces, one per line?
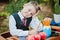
{"x":54,"y":38}
{"x":55,"y":27}
{"x":1,"y":38}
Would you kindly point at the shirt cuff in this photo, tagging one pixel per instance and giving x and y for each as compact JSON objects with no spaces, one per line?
{"x":24,"y":33}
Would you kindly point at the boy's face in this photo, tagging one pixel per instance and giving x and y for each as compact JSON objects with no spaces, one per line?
{"x":29,"y":11}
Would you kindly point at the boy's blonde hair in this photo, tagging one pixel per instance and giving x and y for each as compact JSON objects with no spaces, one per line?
{"x":33,"y":3}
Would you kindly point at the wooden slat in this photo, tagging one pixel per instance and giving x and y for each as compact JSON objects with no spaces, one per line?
{"x":55,"y":27}
{"x":54,"y":38}
{"x":6,"y":34}
{"x":1,"y":38}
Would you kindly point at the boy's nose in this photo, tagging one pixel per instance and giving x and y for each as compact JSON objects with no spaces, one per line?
{"x":30,"y":13}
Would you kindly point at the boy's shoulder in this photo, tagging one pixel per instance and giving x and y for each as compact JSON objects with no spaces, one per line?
{"x":12,"y":15}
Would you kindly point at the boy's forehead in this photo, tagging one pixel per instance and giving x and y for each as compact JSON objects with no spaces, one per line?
{"x":30,"y":7}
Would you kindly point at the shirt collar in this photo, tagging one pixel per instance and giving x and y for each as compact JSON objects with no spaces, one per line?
{"x":20,"y":15}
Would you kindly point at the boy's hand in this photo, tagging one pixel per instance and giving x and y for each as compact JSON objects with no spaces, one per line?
{"x":32,"y":32}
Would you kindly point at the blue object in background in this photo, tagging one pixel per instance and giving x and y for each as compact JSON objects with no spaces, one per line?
{"x":58,"y":24}
{"x":53,"y":23}
{"x":47,"y":30}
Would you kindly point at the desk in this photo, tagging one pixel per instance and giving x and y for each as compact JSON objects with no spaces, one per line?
{"x":55,"y":27}
{"x":54,"y":38}
{"x":1,"y":38}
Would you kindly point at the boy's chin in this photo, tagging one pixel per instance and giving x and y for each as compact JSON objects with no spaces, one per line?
{"x":28,"y":17}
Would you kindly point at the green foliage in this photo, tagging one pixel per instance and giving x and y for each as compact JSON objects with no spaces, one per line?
{"x":3,"y":29}
{"x":4,"y":14}
{"x":40,"y":16}
{"x":15,"y":6}
{"x":38,"y":1}
{"x":57,"y":8}
{"x":56,"y":1}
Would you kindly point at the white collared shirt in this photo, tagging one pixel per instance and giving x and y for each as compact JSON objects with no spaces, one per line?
{"x":19,"y":32}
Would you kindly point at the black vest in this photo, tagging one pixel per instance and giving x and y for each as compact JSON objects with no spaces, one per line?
{"x":19,"y":24}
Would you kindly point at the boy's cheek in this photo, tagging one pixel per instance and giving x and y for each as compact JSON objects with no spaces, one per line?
{"x":28,"y":16}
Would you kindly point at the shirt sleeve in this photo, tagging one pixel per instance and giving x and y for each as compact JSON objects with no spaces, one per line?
{"x":14,"y":30}
{"x":34,"y":23}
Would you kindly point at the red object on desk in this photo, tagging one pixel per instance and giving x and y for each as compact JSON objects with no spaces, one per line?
{"x":37,"y":37}
{"x":30,"y":37}
{"x":34,"y":37}
{"x":43,"y":35}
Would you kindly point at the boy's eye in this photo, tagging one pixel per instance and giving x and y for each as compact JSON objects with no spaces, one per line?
{"x":25,"y":12}
{"x":32,"y":14}
{"x":29,"y":10}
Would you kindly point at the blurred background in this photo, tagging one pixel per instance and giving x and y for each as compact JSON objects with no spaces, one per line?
{"x":8,"y":7}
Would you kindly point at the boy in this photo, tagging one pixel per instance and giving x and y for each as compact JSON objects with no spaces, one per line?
{"x":21,"y":29}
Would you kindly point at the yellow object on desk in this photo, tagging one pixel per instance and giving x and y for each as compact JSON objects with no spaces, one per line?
{"x":46,"y":22}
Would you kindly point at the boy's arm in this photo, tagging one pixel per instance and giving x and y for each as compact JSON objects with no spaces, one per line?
{"x":34,"y":23}
{"x":13,"y":30}
{"x":36,"y":26}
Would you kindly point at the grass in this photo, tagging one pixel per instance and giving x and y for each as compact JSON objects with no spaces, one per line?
{"x":4,"y":26}
{"x":3,"y":29}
